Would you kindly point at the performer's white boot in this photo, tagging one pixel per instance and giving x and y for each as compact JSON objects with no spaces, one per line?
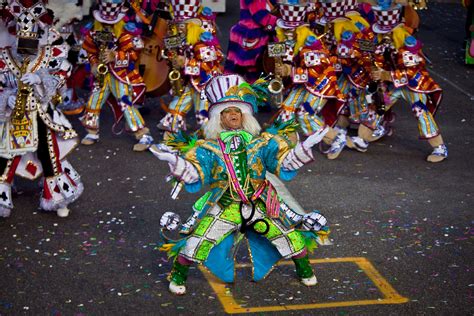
{"x":5,"y":212}
{"x":63,"y":212}
{"x":311,"y":281}
{"x":145,"y":140}
{"x":177,"y":289}
{"x":440,"y":151}
{"x":6,"y":204}
{"x":178,"y":277}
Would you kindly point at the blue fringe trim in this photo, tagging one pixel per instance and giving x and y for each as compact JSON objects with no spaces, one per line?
{"x":308,"y":108}
{"x":126,"y":100}
{"x":248,"y":33}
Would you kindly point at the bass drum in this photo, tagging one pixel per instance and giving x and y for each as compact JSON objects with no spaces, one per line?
{"x":153,"y":68}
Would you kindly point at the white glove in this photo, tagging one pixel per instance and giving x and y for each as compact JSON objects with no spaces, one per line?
{"x":11,"y":101}
{"x":180,"y":168}
{"x":315,"y":138}
{"x":31,"y":78}
{"x":164,"y":153}
{"x":170,"y":221}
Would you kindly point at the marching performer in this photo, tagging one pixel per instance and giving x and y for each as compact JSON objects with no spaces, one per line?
{"x":402,"y":66}
{"x":249,"y":38}
{"x":314,"y":97}
{"x":196,"y":56}
{"x":234,"y":160}
{"x":35,"y":135}
{"x":112,"y":45}
{"x":354,"y":51}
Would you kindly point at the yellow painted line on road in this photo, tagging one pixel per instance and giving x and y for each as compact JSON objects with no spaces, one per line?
{"x":390,"y":295}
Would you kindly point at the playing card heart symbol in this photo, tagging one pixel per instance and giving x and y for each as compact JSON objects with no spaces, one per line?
{"x":56,"y":52}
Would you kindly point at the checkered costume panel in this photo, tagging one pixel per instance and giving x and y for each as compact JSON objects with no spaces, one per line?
{"x":221,"y":222}
{"x":26,"y":18}
{"x":333,"y":9}
{"x":185,"y":9}
{"x":110,"y":9}
{"x":351,"y":5}
{"x":343,"y":51}
{"x":292,"y":14}
{"x":386,"y":20}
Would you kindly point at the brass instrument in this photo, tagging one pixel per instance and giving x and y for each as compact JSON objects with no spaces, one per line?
{"x":276,"y":86}
{"x":102,"y":68}
{"x":103,"y":39}
{"x":22,"y":94}
{"x":376,"y":89}
{"x":172,"y":43}
{"x":176,"y":83}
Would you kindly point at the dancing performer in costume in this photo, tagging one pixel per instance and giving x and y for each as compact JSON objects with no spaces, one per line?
{"x":401,"y":65}
{"x":112,"y":46}
{"x":314,"y":98}
{"x":35,"y":135}
{"x":234,"y":160}
{"x":67,"y":15}
{"x":354,"y":51}
{"x":196,"y":57}
{"x":249,"y":38}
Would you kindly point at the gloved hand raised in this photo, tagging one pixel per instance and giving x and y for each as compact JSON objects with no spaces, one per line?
{"x":180,"y":168}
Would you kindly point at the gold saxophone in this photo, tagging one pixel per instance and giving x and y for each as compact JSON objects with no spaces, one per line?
{"x":102,"y":68}
{"x":103,"y":39}
{"x":172,"y":43}
{"x":22,"y":94}
{"x":276,"y":86}
{"x":175,"y":79}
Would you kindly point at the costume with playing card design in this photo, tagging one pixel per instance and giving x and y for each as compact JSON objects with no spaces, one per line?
{"x":35,"y":136}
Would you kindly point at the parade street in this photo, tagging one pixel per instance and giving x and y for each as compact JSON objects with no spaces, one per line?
{"x":401,"y":228}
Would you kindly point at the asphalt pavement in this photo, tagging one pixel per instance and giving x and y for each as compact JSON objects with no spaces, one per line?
{"x":401,"y":228}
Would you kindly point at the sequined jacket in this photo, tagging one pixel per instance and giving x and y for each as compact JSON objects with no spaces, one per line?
{"x":411,"y":72}
{"x":264,"y":154}
{"x":408,"y":69}
{"x":127,"y":47}
{"x":20,"y":136}
{"x":314,"y":69}
{"x":355,"y":62}
{"x":205,"y":62}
